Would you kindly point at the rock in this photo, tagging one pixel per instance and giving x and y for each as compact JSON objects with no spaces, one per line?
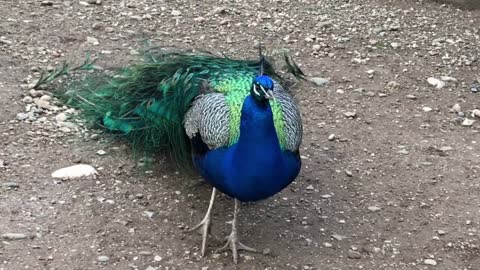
{"x":92,"y":40}
{"x":328,"y":245}
{"x":395,"y":45}
{"x":430,"y":262}
{"x":94,"y":2}
{"x":348,"y":173}
{"x":456,"y":108}
{"x":319,"y":81}
{"x":75,"y":171}
{"x":10,"y":185}
{"x":324,"y":24}
{"x":46,"y":3}
{"x":22,"y":116}
{"x":157,"y":258}
{"x":354,"y":254}
{"x":176,"y":13}
{"x":338,"y":237}
{"x":13,"y":236}
{"x":448,"y":79}
{"x":101,"y":152}
{"x":427,"y":109}
{"x":350,"y":114}
{"x":145,"y":253}
{"x":27,"y":100}
{"x":42,"y":104}
{"x":316,"y":47}
{"x":441,"y":232}
{"x":266,"y":251}
{"x":476,"y":113}
{"x":331,"y":137}
{"x":468,"y":122}
{"x":374,"y":208}
{"x":475,"y":87}
{"x":436,"y":82}
{"x":310,"y":187}
{"x":410,"y":96}
{"x":61,"y":117}
{"x":103,"y":258}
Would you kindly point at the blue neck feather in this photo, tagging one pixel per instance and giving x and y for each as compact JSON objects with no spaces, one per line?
{"x":255,"y":167}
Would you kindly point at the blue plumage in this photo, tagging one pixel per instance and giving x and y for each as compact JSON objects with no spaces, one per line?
{"x":255,"y":167}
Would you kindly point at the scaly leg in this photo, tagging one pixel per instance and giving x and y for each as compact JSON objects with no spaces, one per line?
{"x":205,"y":223}
{"x":232,"y":240}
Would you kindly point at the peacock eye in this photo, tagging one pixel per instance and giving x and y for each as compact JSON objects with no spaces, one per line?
{"x":255,"y":89}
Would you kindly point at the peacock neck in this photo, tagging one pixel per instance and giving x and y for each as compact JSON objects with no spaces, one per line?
{"x":257,"y":129}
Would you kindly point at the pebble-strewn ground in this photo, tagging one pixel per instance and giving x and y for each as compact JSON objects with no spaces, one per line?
{"x":391,"y":147}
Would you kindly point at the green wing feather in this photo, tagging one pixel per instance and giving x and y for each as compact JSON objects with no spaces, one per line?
{"x":146,"y":102}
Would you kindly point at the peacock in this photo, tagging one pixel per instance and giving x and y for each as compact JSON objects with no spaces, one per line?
{"x":233,"y":121}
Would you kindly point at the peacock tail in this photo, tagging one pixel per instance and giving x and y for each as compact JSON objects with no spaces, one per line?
{"x":161,"y":102}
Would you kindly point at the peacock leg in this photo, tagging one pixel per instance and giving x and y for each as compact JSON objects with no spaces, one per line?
{"x":205,"y":223}
{"x":233,"y":243}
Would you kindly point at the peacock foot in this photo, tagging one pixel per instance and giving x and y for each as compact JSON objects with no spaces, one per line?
{"x":204,"y":225}
{"x":232,"y":240}
{"x":234,"y":245}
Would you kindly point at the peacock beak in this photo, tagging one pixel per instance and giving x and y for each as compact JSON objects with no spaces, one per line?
{"x":269,"y":95}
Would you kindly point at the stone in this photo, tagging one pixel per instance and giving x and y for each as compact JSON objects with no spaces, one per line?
{"x":331,"y":137}
{"x":436,"y":82}
{"x":354,"y":254}
{"x":22,"y":116}
{"x":27,"y":100}
{"x":374,"y":208}
{"x":176,"y":13}
{"x":468,"y":122}
{"x":92,"y":40}
{"x":427,"y":109}
{"x":75,"y":171}
{"x":61,"y":117}
{"x":430,"y":262}
{"x":10,"y":185}
{"x":319,"y":81}
{"x":456,"y":108}
{"x":103,"y":258}
{"x":350,"y":114}
{"x":476,"y":113}
{"x":101,"y":152}
{"x":42,"y":104}
{"x":13,"y":236}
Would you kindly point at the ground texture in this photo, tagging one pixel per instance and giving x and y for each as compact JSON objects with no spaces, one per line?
{"x":395,"y":187}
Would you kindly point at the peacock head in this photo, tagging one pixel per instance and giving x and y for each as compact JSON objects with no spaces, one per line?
{"x":262,"y":88}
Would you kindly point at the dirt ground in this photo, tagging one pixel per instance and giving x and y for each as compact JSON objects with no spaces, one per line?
{"x":396,"y":187}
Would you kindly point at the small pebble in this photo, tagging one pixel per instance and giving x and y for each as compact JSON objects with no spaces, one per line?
{"x":468,"y":122}
{"x":427,"y":109}
{"x":374,"y":208}
{"x":103,"y":258}
{"x":176,"y":13}
{"x":430,"y":262}
{"x":319,"y":81}
{"x":13,"y":236}
{"x":350,"y":114}
{"x":11,"y":185}
{"x":101,"y":152}
{"x":331,"y":137}
{"x":354,"y":254}
{"x":328,"y":245}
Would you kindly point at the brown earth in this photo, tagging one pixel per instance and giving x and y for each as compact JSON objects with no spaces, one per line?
{"x":398,"y":184}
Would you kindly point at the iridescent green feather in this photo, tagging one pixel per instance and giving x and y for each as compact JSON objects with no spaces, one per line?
{"x":146,"y":102}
